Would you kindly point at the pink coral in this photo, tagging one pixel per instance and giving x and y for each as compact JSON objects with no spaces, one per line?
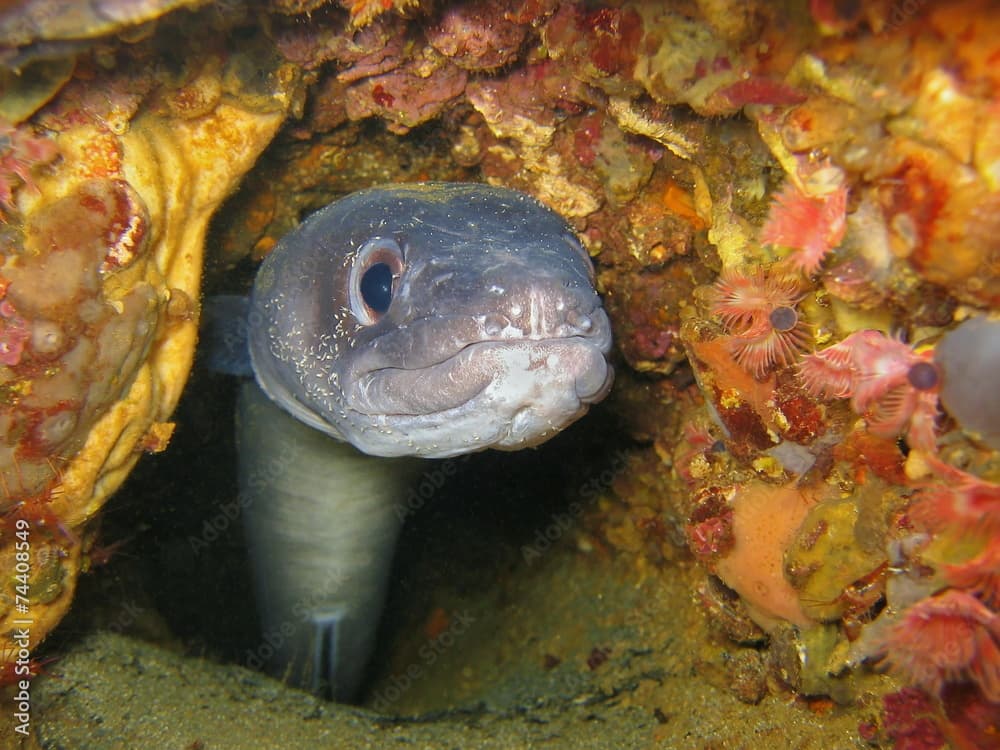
{"x":810,"y":224}
{"x":968,"y":508}
{"x":14,"y":333}
{"x":759,"y":311}
{"x":950,"y":637}
{"x":477,"y":36}
{"x":408,"y":95}
{"x":891,"y":385}
{"x":20,"y":153}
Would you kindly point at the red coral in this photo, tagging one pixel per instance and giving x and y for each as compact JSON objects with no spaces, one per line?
{"x":973,"y":722}
{"x":811,"y":224}
{"x":759,"y":90}
{"x":20,"y":153}
{"x":890,"y":384}
{"x":910,"y":719}
{"x":710,"y":528}
{"x":951,"y":637}
{"x":759,"y":310}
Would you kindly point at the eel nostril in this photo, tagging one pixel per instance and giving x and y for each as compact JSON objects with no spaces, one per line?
{"x":579,"y":321}
{"x":493,"y":325}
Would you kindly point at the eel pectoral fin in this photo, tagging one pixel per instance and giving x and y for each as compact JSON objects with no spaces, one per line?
{"x":321,"y":522}
{"x":327,"y":628}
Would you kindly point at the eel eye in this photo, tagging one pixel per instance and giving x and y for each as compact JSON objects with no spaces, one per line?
{"x":376,"y":287}
{"x":377,"y":267}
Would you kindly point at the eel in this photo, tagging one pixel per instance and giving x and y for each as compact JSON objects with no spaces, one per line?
{"x":426,"y":320}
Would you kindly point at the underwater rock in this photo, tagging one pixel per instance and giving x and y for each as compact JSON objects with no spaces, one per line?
{"x":99,"y":277}
{"x":43,"y":28}
{"x":787,"y":205}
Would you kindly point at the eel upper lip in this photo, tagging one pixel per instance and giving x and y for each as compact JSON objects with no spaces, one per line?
{"x":602,"y":344}
{"x":428,"y":395}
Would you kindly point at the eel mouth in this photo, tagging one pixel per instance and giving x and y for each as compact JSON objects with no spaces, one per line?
{"x":503,"y":378}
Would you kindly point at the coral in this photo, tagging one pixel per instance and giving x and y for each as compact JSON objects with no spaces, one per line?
{"x":765,"y":520}
{"x":710,"y":527}
{"x":910,"y":719}
{"x":14,"y":332}
{"x":759,"y":310}
{"x":754,"y":90}
{"x":476,"y":36}
{"x":597,"y":43}
{"x":891,"y":385}
{"x":979,"y":575}
{"x":963,"y":512}
{"x":363,"y":12}
{"x":97,"y":280}
{"x":21,"y":152}
{"x":960,"y":501}
{"x":811,"y":224}
{"x":946,"y":638}
{"x":408,"y":95}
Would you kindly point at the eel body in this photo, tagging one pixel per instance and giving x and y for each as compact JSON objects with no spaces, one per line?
{"x":424,"y":320}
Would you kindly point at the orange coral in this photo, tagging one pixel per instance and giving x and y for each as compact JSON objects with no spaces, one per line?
{"x":363,"y":12}
{"x":764,"y":524}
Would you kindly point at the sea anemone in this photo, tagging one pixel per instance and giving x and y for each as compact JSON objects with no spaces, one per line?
{"x":759,"y":310}
{"x":950,"y":637}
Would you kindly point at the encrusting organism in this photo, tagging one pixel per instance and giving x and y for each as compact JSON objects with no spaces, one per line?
{"x":759,"y":311}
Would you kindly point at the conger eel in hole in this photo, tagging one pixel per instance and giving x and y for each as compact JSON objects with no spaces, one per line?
{"x":427,"y":320}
